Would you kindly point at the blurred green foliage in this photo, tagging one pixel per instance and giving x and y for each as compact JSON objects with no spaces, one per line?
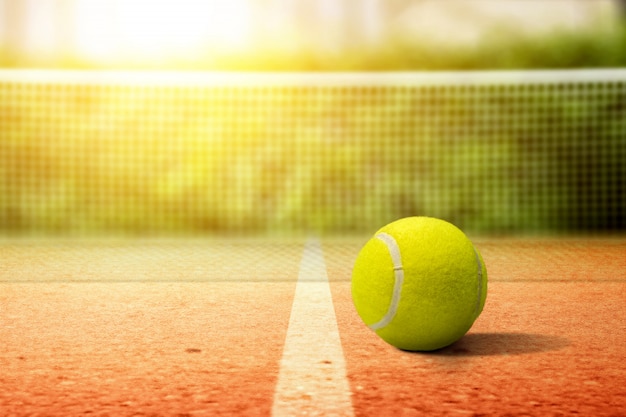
{"x":104,"y":159}
{"x":502,"y":49}
{"x":588,"y":48}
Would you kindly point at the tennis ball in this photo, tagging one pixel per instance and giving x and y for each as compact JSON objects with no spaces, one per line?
{"x":419,"y":283}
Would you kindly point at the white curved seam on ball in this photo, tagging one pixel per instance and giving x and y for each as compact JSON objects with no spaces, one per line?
{"x":480,"y":282}
{"x":398,"y":272}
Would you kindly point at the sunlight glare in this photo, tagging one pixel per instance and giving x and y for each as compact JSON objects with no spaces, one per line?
{"x":164,"y":28}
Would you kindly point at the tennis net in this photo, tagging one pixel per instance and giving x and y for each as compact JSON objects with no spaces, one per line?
{"x":92,"y":152}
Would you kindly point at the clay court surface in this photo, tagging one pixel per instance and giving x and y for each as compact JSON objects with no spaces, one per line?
{"x":201,"y":328}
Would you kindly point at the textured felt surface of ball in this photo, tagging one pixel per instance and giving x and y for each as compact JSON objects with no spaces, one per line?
{"x":419,"y":283}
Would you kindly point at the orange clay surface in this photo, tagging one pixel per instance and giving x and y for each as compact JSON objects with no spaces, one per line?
{"x":196,"y":328}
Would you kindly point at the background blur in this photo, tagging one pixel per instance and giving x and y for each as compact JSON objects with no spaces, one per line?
{"x":159,"y":155}
{"x":312,"y":34}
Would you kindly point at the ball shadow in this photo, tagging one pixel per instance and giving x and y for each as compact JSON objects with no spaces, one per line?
{"x":491,"y":344}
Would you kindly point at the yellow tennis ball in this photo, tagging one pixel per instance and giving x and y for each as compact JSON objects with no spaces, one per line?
{"x":419,"y":283}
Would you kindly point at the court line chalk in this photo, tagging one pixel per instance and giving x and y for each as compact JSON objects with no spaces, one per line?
{"x":312,"y":379}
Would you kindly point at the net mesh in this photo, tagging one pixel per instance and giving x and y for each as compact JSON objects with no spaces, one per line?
{"x":95,"y":153}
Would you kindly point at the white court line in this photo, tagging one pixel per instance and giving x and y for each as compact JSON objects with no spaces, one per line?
{"x":312,"y":379}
